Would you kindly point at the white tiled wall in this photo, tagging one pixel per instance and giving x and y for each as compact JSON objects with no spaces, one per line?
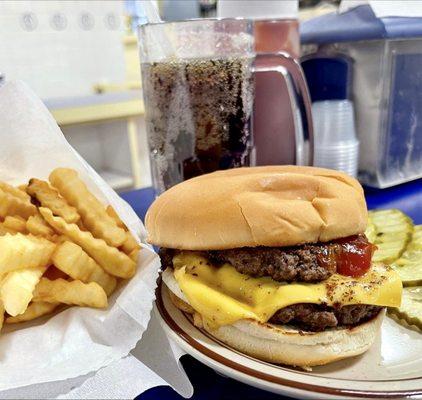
{"x":144,"y":153}
{"x":87,"y":140}
{"x":61,"y":48}
{"x":115,"y":154}
{"x":105,"y":146}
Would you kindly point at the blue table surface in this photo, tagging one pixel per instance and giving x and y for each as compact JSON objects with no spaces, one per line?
{"x":209,"y":385}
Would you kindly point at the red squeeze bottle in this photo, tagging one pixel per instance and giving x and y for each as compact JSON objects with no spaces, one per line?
{"x":276,"y":29}
{"x":273,"y":122}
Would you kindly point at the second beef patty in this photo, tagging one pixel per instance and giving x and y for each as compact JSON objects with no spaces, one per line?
{"x":317,"y":317}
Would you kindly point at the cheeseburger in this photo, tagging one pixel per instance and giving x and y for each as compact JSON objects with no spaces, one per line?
{"x":274,"y":262}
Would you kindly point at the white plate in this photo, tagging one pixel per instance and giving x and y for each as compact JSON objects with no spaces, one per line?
{"x":392,"y":368}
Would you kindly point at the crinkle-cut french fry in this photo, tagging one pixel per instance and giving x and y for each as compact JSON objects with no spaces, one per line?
{"x":73,"y":261}
{"x":59,"y":239}
{"x":34,"y":310}
{"x":112,"y":213}
{"x":53,"y":273}
{"x":109,"y":258}
{"x":38,"y":227}
{"x":4,"y":231}
{"x":12,"y":225}
{"x":7,"y":229}
{"x":12,"y":205}
{"x":15,"y":191}
{"x":17,"y":224}
{"x":91,"y":210}
{"x":49,"y":197}
{"x":24,"y":251}
{"x":133,"y":255}
{"x":23,"y":188}
{"x":129,"y":244}
{"x":70,"y":292}
{"x":17,"y":287}
{"x":81,"y":226}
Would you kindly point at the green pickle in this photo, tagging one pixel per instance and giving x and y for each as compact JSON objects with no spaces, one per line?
{"x":416,"y":242}
{"x":409,"y":265}
{"x":393,"y":230}
{"x":399,"y":244}
{"x":371,"y":231}
{"x":411,"y":306}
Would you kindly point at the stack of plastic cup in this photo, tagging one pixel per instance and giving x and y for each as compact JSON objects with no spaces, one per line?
{"x":335,"y":142}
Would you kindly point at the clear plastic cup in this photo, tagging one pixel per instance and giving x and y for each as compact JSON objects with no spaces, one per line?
{"x":336,"y":145}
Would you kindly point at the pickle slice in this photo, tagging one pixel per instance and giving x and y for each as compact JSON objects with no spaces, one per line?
{"x":411,"y":306}
{"x":387,"y":252}
{"x":410,"y":274}
{"x":409,"y":265}
{"x":416,"y":242}
{"x":371,"y":231}
{"x":393,"y":232}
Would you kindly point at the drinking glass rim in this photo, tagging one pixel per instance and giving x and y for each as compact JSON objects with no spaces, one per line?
{"x":215,"y":19}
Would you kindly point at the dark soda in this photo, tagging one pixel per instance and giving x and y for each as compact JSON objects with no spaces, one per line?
{"x":198,"y":115}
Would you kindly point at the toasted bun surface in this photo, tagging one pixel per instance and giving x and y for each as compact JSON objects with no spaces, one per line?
{"x":284,"y":345}
{"x":280,"y":345}
{"x":258,"y":206}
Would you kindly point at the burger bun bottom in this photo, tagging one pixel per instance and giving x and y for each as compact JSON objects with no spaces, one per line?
{"x":281,"y":344}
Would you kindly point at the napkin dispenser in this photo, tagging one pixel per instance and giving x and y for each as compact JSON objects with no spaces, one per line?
{"x":386,"y":89}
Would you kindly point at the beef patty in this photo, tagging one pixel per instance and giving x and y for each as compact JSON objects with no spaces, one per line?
{"x":300,"y":263}
{"x":317,"y":317}
{"x":287,"y":264}
{"x":306,"y":263}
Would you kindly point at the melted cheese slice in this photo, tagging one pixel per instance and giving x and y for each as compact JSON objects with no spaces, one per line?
{"x":223,"y":296}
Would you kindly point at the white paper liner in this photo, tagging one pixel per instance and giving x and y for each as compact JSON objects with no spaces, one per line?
{"x":78,"y":340}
